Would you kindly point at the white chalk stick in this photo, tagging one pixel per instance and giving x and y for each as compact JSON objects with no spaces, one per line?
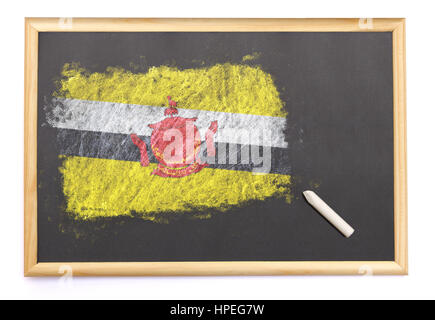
{"x":328,"y":213}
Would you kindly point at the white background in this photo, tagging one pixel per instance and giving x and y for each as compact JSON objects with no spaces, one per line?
{"x":421,"y":157}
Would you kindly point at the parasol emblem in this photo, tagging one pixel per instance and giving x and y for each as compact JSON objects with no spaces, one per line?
{"x":176,"y":144}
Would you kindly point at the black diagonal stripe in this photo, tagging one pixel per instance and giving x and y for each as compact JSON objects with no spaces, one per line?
{"x":117,"y":146}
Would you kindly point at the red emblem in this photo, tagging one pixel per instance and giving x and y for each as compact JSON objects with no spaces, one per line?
{"x":176,"y":143}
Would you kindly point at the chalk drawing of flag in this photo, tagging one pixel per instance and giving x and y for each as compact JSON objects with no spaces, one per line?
{"x":94,"y":115}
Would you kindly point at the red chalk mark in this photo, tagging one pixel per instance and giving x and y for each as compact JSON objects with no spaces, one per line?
{"x":172,"y":103}
{"x":144,"y":161}
{"x":166,"y":172}
{"x":188,"y":146}
{"x":172,"y":110}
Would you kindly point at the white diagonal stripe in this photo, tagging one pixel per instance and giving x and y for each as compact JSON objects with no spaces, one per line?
{"x":129,"y":118}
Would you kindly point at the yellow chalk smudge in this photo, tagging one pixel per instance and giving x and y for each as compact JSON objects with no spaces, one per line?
{"x":105,"y":188}
{"x":222,"y":87}
{"x":250,"y":57}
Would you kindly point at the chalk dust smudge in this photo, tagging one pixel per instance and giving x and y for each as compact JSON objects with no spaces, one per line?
{"x":106,"y":188}
{"x":222,"y":87}
{"x":251,"y":57}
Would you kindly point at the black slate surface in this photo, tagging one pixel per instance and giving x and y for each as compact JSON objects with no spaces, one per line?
{"x":338,"y":91}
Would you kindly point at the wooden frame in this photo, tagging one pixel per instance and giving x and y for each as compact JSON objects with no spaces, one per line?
{"x":35,"y":25}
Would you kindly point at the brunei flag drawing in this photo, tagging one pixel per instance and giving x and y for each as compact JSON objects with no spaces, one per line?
{"x":169,"y":142}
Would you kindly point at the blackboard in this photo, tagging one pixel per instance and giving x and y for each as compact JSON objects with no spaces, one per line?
{"x":328,"y":97}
